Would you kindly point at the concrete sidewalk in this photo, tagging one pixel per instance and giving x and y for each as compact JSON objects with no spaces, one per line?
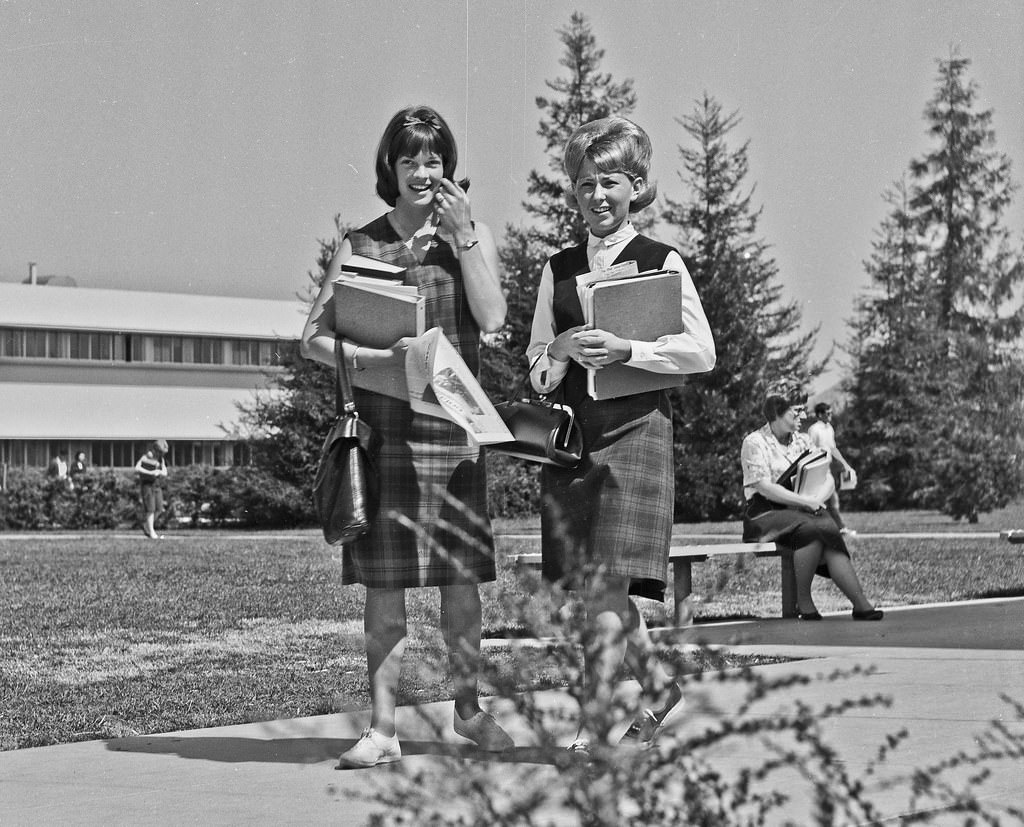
{"x":282,"y":772}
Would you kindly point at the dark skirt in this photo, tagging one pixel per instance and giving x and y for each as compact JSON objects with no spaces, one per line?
{"x":152,"y":497}
{"x":432,"y":528}
{"x":766,"y":522}
{"x":615,"y":509}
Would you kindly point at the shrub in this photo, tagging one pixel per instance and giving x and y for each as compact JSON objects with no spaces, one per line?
{"x":513,"y":486}
{"x":107,"y":498}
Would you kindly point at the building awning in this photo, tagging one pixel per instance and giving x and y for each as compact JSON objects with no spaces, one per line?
{"x":31,"y":410}
{"x":128,"y":311}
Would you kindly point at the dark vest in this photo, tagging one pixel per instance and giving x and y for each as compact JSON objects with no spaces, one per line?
{"x":565,"y":266}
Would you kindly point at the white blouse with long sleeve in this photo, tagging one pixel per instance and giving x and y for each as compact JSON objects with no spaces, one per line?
{"x":692,"y":351}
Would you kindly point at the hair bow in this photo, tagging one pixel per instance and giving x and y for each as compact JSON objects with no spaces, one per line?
{"x":427,"y":120}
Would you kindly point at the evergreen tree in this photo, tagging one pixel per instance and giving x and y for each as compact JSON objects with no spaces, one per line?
{"x":937,"y":375}
{"x":290,"y":421}
{"x":897,"y":385}
{"x":585,"y":95}
{"x":756,"y":333}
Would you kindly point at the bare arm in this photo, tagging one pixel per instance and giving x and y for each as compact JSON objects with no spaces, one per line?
{"x":782,"y":495}
{"x":479,"y":263}
{"x":318,"y":334}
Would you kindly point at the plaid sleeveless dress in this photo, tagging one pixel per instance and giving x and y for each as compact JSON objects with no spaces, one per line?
{"x":430,"y":471}
{"x":615,"y":509}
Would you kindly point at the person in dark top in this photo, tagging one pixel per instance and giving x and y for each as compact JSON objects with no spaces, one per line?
{"x":151,"y":469}
{"x":78,"y":466}
{"x":612,"y":515}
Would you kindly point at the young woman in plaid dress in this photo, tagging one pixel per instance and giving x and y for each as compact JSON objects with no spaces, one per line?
{"x":431,"y":473}
{"x":611,"y":518}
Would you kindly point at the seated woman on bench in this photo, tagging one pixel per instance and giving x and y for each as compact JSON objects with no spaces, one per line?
{"x":797,"y":521}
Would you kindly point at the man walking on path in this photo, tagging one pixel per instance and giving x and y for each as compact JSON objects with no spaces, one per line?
{"x":823,"y":435}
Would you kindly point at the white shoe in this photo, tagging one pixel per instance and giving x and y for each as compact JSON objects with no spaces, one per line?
{"x":484,"y":731}
{"x":371,"y":749}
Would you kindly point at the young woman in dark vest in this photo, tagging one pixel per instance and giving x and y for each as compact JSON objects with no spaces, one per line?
{"x":610,"y":519}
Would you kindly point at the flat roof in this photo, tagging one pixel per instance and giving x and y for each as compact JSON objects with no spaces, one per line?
{"x":138,"y":311}
{"x":36,"y":410}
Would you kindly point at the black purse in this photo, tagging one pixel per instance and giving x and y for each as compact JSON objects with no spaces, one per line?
{"x":545,"y":432}
{"x":346,"y":490}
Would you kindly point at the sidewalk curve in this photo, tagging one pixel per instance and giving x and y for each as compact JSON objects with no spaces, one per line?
{"x":944,"y":667}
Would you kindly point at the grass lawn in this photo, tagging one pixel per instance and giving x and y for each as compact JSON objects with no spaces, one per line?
{"x":106,"y":635}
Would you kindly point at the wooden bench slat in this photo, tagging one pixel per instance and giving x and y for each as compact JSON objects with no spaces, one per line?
{"x":682,"y":558}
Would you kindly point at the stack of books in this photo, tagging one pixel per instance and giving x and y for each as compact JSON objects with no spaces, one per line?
{"x":374,"y":308}
{"x":638,"y":306}
{"x":808,"y":472}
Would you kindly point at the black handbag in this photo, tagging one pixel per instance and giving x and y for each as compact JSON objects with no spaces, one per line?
{"x":346,"y":490}
{"x":545,"y":432}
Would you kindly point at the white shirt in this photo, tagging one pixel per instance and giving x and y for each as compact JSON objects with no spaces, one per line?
{"x":823,"y":435}
{"x":692,"y":351}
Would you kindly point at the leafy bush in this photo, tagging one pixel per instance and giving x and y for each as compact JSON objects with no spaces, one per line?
{"x":106,"y":498}
{"x":513,"y":486}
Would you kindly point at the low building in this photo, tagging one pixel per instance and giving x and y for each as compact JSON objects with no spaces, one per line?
{"x":106,"y":371}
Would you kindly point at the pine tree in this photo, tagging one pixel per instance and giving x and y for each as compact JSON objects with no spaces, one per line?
{"x":937,"y":375}
{"x":896,"y":383}
{"x":756,"y":333}
{"x":289,"y":422}
{"x":585,"y":95}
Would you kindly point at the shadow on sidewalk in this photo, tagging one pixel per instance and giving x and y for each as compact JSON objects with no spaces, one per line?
{"x":312,"y":750}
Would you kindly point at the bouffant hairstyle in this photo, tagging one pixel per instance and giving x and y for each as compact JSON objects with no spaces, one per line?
{"x":776,"y":405}
{"x":614,"y":144}
{"x":409,"y":132}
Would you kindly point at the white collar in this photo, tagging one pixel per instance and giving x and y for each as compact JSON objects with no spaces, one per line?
{"x":624,"y":233}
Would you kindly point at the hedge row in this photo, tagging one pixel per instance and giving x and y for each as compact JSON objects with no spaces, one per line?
{"x":198,"y":495}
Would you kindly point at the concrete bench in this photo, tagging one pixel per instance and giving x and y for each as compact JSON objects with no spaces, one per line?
{"x":682,"y":559}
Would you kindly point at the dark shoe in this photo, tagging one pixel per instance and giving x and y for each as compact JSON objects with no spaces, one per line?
{"x":815,"y":615}
{"x":484,"y":731}
{"x":870,"y":614}
{"x":650,"y":723}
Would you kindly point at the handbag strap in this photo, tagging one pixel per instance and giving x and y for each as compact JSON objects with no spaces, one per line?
{"x":519,"y":388}
{"x":346,"y":403}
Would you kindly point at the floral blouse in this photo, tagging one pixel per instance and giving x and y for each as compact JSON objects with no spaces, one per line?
{"x":764,"y":457}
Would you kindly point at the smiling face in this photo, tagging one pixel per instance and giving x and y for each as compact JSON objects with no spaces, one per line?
{"x":418,"y":177}
{"x":604,"y":198}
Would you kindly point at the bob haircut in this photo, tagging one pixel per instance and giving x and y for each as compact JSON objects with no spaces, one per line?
{"x":776,"y":405}
{"x":409,"y":132}
{"x":614,"y":144}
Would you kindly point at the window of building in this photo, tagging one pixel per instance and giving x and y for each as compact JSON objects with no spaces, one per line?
{"x":23,"y":343}
{"x":105,"y":453}
{"x":61,"y":344}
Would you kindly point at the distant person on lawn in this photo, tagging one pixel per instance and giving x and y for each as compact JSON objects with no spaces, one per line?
{"x":78,"y":467}
{"x":801,"y":522}
{"x":823,"y":435}
{"x":151,"y":469}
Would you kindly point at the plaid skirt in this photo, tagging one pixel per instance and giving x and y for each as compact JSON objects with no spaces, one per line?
{"x":615,"y":509}
{"x":432,"y":528}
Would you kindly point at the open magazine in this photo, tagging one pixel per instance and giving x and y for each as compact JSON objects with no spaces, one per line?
{"x":441,"y":385}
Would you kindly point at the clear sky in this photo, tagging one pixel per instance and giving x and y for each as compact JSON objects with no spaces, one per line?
{"x":205,"y":147}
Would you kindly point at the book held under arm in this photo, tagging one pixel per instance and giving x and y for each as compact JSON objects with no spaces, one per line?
{"x":374,"y":313}
{"x":809,"y":473}
{"x":642,"y":307}
{"x":441,"y":384}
